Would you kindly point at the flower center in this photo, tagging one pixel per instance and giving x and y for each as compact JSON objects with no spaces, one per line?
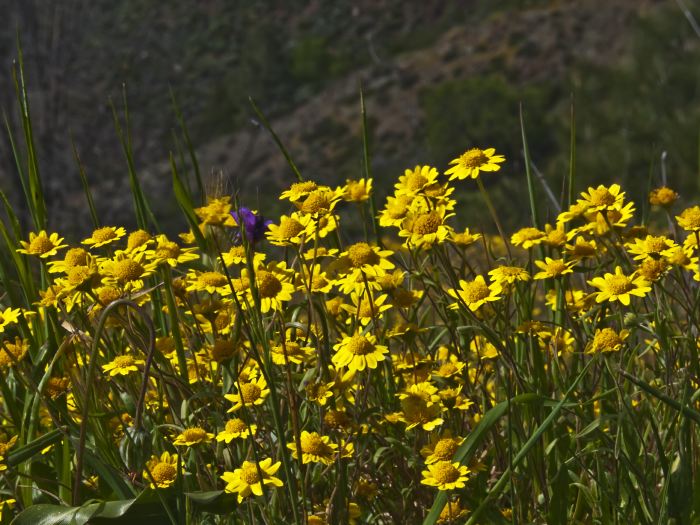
{"x":427,"y":223}
{"x":397,"y":209}
{"x":530,"y":234}
{"x":123,"y":361}
{"x":250,"y":392}
{"x":619,"y":284}
{"x":75,"y":257}
{"x":656,"y":244}
{"x":163,"y":472}
{"x":415,"y":181}
{"x":602,"y":197}
{"x":104,"y":234}
{"x":128,"y":270}
{"x":445,"y":449}
{"x":249,"y":473}
{"x":361,"y":254}
{"x":235,"y":426}
{"x":168,"y":250}
{"x":108,"y":294}
{"x":222,"y":350}
{"x":78,"y":275}
{"x":214,"y":279}
{"x":447,"y":369}
{"x":445,"y":472}
{"x":476,"y":291}
{"x":268,"y":284}
{"x":316,"y":202}
{"x":473,"y":158}
{"x":137,"y":238}
{"x":299,"y":189}
{"x":556,"y":267}
{"x":194,"y":434}
{"x":290,"y":228}
{"x":40,"y":244}
{"x":607,"y":339}
{"x":360,"y":345}
{"x":313,"y":444}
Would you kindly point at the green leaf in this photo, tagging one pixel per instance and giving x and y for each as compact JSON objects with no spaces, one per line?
{"x":35,"y":447}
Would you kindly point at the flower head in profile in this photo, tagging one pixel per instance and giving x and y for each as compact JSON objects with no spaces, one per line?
{"x":607,"y":340}
{"x":104,"y":236}
{"x":250,"y":478}
{"x":553,"y":268}
{"x":193,"y":436}
{"x":689,"y":219}
{"x":474,"y":161}
{"x":253,"y":225}
{"x":161,"y":471}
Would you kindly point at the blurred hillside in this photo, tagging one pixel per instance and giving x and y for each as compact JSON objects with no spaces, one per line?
{"x":439,"y":77}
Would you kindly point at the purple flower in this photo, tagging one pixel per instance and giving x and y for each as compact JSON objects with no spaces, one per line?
{"x":254,"y":225}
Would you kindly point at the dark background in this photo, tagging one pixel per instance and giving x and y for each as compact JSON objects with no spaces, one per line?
{"x":439,"y":77}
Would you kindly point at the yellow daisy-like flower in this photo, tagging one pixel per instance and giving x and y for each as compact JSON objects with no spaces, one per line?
{"x":483,"y":348}
{"x":504,"y":275}
{"x":603,"y":198}
{"x":127,"y":271}
{"x":236,"y":429}
{"x":395,"y":210}
{"x":441,"y":448}
{"x":251,"y":393}
{"x":299,"y":191}
{"x":553,"y":268}
{"x":104,"y":236}
{"x":607,"y":340}
{"x":247,"y":480}
{"x":163,"y":470}
{"x":217,"y":212}
{"x":581,"y":249}
{"x":138,"y":241}
{"x":453,"y":511}
{"x":528,"y":237}
{"x":321,"y":201}
{"x":42,"y":245}
{"x":210,"y":281}
{"x":315,"y":448}
{"x":290,"y":352}
{"x":651,"y":246}
{"x":274,"y":284}
{"x":425,"y":229}
{"x":122,"y":365}
{"x":12,"y":353}
{"x":474,"y":161}
{"x":445,"y":475}
{"x":291,"y":230}
{"x":73,"y":257}
{"x":358,"y":190}
{"x":193,"y":436}
{"x":465,"y":238}
{"x":619,"y":287}
{"x":414,"y":181}
{"x":237,"y":256}
{"x":475,"y":293}
{"x":366,"y":307}
{"x":664,"y":197}
{"x":319,"y":392}
{"x":9,"y":317}
{"x":171,"y":253}
{"x":358,"y":352}
{"x":689,"y":219}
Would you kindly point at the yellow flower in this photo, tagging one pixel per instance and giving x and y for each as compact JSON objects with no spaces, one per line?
{"x":319,"y":202}
{"x":292,"y":230}
{"x":474,"y":293}
{"x":607,"y":340}
{"x":299,"y":191}
{"x":122,"y":365}
{"x":558,"y":340}
{"x":689,"y":219}
{"x":395,"y":210}
{"x":127,"y":271}
{"x":319,"y":392}
{"x":193,"y":436}
{"x":465,"y":238}
{"x":651,"y":246}
{"x":664,"y":197}
{"x":581,"y":249}
{"x":138,"y":241}
{"x":217,"y":212}
{"x":42,"y":245}
{"x":170,"y":253}
{"x":366,"y":307}
{"x":358,"y":352}
{"x":73,"y":257}
{"x":553,"y":268}
{"x":247,"y":480}
{"x":209,"y":281}
{"x":12,"y":353}
{"x":358,"y":190}
{"x":274,"y":284}
{"x":104,"y":236}
{"x":445,"y":475}
{"x":414,"y":181}
{"x":9,"y":317}
{"x":509,"y":274}
{"x":290,"y":352}
{"x":236,"y":428}
{"x":602,"y":198}
{"x":237,"y":256}
{"x":483,"y":348}
{"x":163,"y":470}
{"x":425,"y":229}
{"x":441,"y":448}
{"x":473,"y":161}
{"x":619,"y":287}
{"x":251,"y":393}
{"x":453,"y":511}
{"x":315,"y":448}
{"x":526,"y":238}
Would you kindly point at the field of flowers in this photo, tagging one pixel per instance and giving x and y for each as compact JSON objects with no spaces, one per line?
{"x":281,"y":370}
